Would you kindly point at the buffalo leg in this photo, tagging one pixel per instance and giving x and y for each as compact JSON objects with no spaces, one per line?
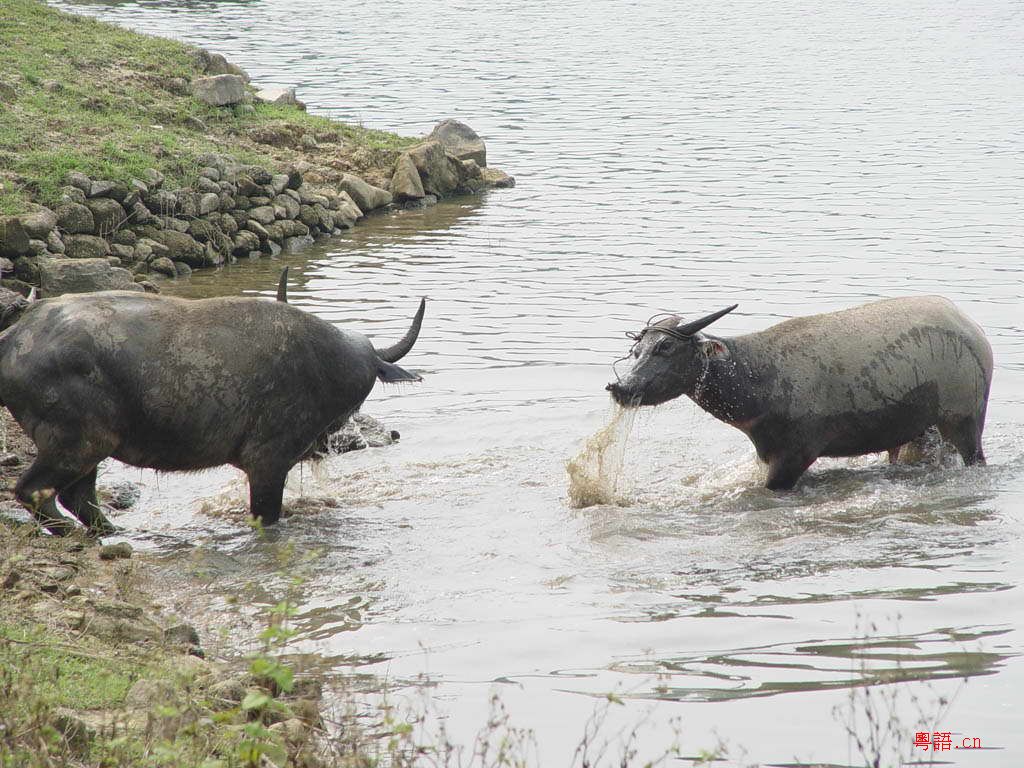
{"x":784,"y":471}
{"x":965,"y":435}
{"x":80,"y":499}
{"x":36,"y":489}
{"x":265,"y":493}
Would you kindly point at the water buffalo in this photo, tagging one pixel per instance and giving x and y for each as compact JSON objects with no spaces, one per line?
{"x":847,"y":383}
{"x":179,"y":385}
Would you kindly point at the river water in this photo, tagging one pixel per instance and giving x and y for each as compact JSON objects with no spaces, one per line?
{"x":793,"y":157}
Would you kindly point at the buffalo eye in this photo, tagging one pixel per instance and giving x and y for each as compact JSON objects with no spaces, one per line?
{"x":662,"y":347}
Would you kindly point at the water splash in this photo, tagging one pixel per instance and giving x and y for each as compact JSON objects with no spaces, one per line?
{"x":594,"y":471}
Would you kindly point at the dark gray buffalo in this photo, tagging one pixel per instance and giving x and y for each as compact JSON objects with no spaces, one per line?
{"x":863,"y":380}
{"x":179,"y":385}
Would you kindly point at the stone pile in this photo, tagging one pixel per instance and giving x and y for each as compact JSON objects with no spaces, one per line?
{"x":451,"y":161}
{"x":110,"y":235}
{"x":104,"y":235}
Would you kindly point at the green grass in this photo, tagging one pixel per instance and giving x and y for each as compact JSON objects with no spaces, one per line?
{"x":73,"y":679}
{"x":96,"y":98}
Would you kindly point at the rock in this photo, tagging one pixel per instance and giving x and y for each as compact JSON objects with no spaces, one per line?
{"x":264,"y":214}
{"x":209,"y":203}
{"x":122,"y":496}
{"x":459,"y":140}
{"x":441,"y":173}
{"x":153,"y":179}
{"x":366,"y":196}
{"x":405,"y":181}
{"x":162,"y":203}
{"x":228,"y":693}
{"x":219,"y":90}
{"x":296,"y":244}
{"x":182,"y":634}
{"x":36,"y":247}
{"x":288,"y":203}
{"x":294,"y":173}
{"x":308,"y":195}
{"x":279,"y":182}
{"x":182,"y":247}
{"x":257,"y":229}
{"x":203,"y":184}
{"x":216,"y":64}
{"x":210,"y":172}
{"x":73,"y":731}
{"x":347,"y":213}
{"x":59,"y":276}
{"x":283,"y":96}
{"x":147,"y":286}
{"x":13,"y":237}
{"x":259,"y":175}
{"x":54,"y":244}
{"x":75,"y":218}
{"x":308,"y":141}
{"x":79,"y":181}
{"x":85,"y":247}
{"x":26,"y":269}
{"x":163,"y":266}
{"x":154,"y":246}
{"x":472,"y":169}
{"x":141,"y":214}
{"x":107,"y":215}
{"x":120,"y":551}
{"x":244,"y":242}
{"x":6,"y":266}
{"x":100,"y":189}
{"x":125,"y":237}
{"x":124,"y":253}
{"x":498,"y":179}
{"x":40,"y":224}
{"x":69,"y":194}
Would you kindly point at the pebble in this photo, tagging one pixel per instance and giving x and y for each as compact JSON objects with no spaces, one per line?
{"x":121,"y":550}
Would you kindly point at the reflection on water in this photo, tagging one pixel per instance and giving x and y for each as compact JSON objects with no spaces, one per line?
{"x":792,"y":157}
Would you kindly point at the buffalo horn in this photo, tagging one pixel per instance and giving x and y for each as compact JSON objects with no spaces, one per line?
{"x":282,"y":287}
{"x":691,"y":328}
{"x":396,"y":352}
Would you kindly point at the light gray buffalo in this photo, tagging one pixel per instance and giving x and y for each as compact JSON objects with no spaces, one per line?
{"x":848,"y":383}
{"x":179,"y":385}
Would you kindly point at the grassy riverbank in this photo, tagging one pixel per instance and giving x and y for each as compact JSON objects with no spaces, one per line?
{"x":81,"y":95}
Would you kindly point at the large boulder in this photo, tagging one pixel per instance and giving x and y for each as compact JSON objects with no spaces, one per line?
{"x":366,"y":196}
{"x":284,"y":96}
{"x":347,"y":212}
{"x":107,"y":215}
{"x":405,"y":181}
{"x":85,"y":247}
{"x":216,"y":64}
{"x":14,"y":240}
{"x":461,"y":141}
{"x":219,"y":90}
{"x":181,"y":247}
{"x":39,"y":224}
{"x":58,"y":276}
{"x":75,"y":219}
{"x":441,"y":173}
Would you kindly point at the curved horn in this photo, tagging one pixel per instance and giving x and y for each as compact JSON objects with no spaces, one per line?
{"x":691,"y":328}
{"x":396,"y":352}
{"x":282,"y":287}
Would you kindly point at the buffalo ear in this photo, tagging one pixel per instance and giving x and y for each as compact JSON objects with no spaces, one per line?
{"x":714,"y":349}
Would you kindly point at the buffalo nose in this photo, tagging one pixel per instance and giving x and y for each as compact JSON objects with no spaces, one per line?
{"x":612,"y":386}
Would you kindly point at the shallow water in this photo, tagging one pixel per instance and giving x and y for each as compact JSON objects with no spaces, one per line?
{"x":792,"y":157}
